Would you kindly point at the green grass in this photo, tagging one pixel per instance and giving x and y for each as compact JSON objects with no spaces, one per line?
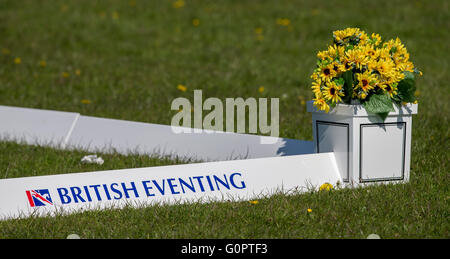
{"x":131,"y":59}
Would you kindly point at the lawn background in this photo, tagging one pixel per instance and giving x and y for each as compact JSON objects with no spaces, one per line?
{"x":125,"y":59}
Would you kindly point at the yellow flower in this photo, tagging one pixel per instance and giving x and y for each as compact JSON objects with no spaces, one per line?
{"x":366,"y":80}
{"x":309,"y":210}
{"x":357,"y":57}
{"x":335,"y":51}
{"x":85,"y":101}
{"x":326,"y":187}
{"x":259,"y":30}
{"x":406,"y":66}
{"x":259,"y":33}
{"x":384,"y":67}
{"x":17,"y":60}
{"x":65,"y":74}
{"x":182,"y":88}
{"x":321,"y":104}
{"x":254,"y":202}
{"x":332,"y":92}
{"x":261,"y":89}
{"x":362,"y":95}
{"x":342,"y":35}
{"x":42,"y":63}
{"x":77,"y":72}
{"x":391,"y":89}
{"x":371,"y":52}
{"x":196,"y":22}
{"x":316,"y":86}
{"x":302,"y":100}
{"x":327,"y":72}
{"x":345,"y":64}
{"x":178,"y":4}
{"x":283,"y":21}
{"x":337,"y":67}
{"x":323,"y":55}
{"x":375,"y":39}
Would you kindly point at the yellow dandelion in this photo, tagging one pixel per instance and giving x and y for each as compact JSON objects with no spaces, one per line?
{"x":259,"y":30}
{"x":17,"y":60}
{"x":309,"y":210}
{"x":42,"y":63}
{"x":182,"y":88}
{"x":86,"y":101}
{"x":302,"y":100}
{"x":254,"y":202}
{"x":77,"y":72}
{"x":65,"y":74}
{"x":196,"y":22}
{"x":283,"y":21}
{"x":178,"y":4}
{"x":261,"y":89}
{"x":326,"y":187}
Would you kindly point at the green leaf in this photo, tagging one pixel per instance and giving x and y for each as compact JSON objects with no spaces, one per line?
{"x":379,"y":104}
{"x":348,"y":86}
{"x":339,"y":81}
{"x":383,"y":115}
{"x":407,"y":88}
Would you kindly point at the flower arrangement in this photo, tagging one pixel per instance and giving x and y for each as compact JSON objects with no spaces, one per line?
{"x":357,"y":68}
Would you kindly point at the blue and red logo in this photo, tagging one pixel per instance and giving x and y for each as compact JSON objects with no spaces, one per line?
{"x":39,"y":197}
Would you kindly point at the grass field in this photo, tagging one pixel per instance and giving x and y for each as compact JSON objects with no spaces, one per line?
{"x":125,"y":59}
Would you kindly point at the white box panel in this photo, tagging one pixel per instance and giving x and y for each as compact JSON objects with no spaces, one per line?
{"x":382,"y":151}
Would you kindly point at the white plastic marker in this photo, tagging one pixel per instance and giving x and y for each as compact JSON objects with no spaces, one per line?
{"x":74,"y":131}
{"x":213,"y":181}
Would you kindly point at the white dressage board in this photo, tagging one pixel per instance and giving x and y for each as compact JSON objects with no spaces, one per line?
{"x":234,"y":180}
{"x":75,"y":131}
{"x":33,"y":126}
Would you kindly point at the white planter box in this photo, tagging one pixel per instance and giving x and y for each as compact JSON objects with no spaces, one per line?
{"x":367,"y":149}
